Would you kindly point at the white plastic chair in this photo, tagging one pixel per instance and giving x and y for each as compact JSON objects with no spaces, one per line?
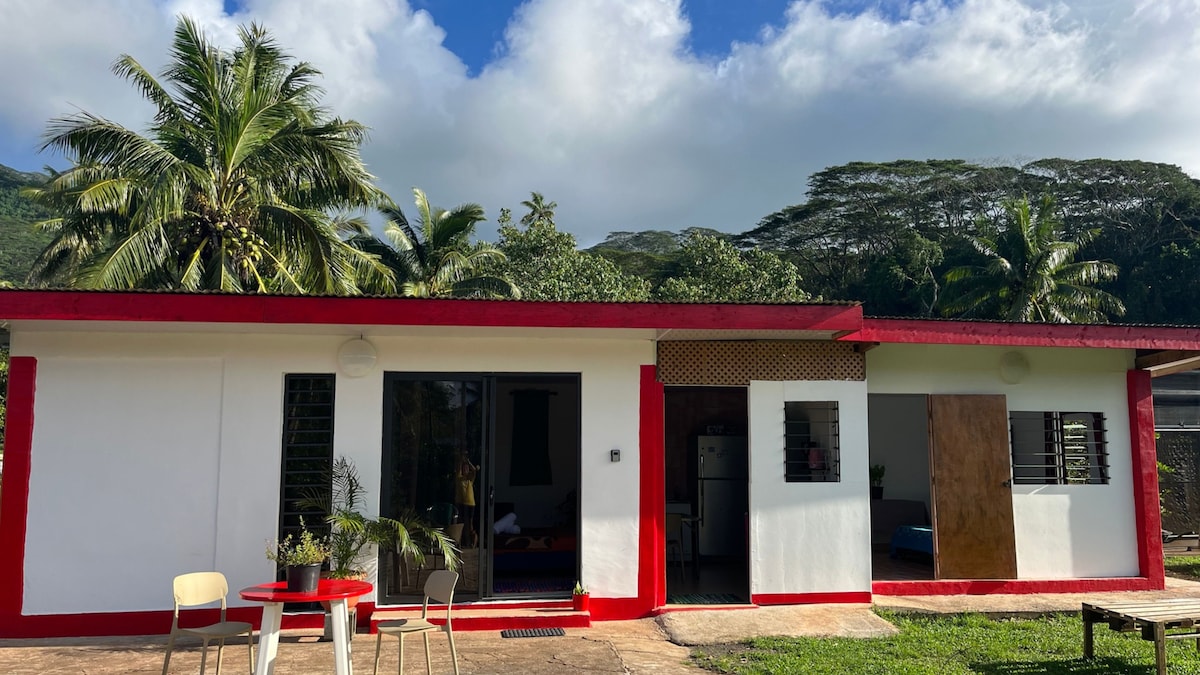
{"x":440,"y":588}
{"x":202,"y":588}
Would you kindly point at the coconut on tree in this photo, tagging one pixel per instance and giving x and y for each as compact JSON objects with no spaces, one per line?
{"x":239,"y":184}
{"x":1030,"y":273}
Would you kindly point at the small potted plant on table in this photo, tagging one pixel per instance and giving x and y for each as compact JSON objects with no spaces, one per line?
{"x":301,"y":557}
{"x":580,"y":597}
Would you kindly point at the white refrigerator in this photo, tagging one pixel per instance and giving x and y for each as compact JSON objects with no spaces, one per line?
{"x":723,"y":494}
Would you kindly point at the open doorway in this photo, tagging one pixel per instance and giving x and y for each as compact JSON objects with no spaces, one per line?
{"x":899,"y":440}
{"x":534,"y":523}
{"x":707,"y":494}
{"x":946,"y":509}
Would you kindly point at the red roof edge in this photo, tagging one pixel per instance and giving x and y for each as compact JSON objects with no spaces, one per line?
{"x":42,"y":305}
{"x":1113,"y":336}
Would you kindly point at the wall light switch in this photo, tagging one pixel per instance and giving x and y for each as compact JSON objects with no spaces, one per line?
{"x":614,"y":455}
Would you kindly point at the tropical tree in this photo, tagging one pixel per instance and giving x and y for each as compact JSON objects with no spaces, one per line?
{"x":546,"y":264}
{"x":1030,"y":273}
{"x":713,"y":270}
{"x":437,"y":258}
{"x":237,"y":185}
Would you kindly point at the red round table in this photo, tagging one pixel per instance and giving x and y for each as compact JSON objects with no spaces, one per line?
{"x":333,"y":591}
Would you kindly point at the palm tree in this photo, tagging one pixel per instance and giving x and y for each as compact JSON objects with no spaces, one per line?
{"x":437,"y":258}
{"x":539,"y":210}
{"x":1031,"y":274}
{"x":236,"y":185}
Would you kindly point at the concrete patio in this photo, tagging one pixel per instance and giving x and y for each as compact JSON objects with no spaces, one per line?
{"x":642,"y":646}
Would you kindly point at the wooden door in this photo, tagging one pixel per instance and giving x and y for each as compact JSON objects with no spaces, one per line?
{"x":972,"y":488}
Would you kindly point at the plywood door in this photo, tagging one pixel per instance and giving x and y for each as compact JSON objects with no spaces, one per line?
{"x":972,"y":488}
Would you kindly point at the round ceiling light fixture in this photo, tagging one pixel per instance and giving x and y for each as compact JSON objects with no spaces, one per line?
{"x":357,"y":357}
{"x":1014,"y":367}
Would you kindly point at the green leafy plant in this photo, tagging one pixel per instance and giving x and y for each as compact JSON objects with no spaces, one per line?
{"x":352,"y":532}
{"x":876,"y":472}
{"x":307,"y":549}
{"x":580,"y":589}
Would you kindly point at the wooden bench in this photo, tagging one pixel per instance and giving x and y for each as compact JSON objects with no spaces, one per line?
{"x":1152,"y":617}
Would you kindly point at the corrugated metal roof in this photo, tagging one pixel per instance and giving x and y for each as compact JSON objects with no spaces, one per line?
{"x":171,"y":291}
{"x":939,"y":319}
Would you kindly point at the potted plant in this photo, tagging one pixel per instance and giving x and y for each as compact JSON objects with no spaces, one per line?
{"x":877,"y":471}
{"x":580,"y":597}
{"x":352,"y":533}
{"x":301,"y":557}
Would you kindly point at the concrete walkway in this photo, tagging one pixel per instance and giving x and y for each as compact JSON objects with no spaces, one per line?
{"x":644,"y":646}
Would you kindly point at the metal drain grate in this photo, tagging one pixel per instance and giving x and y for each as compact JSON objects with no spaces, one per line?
{"x":532,"y":632}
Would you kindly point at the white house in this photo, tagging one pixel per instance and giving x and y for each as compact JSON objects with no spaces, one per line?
{"x":660,"y":453}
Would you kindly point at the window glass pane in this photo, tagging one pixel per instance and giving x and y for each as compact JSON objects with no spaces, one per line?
{"x":1058,"y":448}
{"x":812,"y":450}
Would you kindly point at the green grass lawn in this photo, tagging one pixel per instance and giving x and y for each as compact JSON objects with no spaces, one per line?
{"x":950,"y":645}
{"x":1186,"y":566}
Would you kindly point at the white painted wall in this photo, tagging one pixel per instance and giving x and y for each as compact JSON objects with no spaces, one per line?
{"x":808,"y":537}
{"x":158,"y":453}
{"x":1062,"y":531}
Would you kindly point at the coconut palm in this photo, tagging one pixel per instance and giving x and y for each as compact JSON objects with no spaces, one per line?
{"x":437,"y":258}
{"x":1031,"y":273}
{"x":540,"y":211}
{"x":237,"y":184}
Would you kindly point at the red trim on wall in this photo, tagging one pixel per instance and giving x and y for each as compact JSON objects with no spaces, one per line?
{"x":925,"y":331}
{"x":558,"y":619}
{"x":33,"y":305}
{"x":810,"y":598}
{"x":652,"y":566}
{"x":14,"y":499}
{"x":1146,"y":509}
{"x":1012,"y":586}
{"x":156,"y":622}
{"x":671,"y":609}
{"x":616,"y":609}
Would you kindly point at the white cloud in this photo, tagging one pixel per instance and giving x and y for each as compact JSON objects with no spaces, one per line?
{"x":599,"y":105}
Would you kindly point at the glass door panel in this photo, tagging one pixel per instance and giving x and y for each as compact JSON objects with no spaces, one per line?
{"x":433,"y":448}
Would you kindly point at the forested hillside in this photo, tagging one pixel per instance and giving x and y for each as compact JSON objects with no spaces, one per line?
{"x":883,"y":233}
{"x":887,"y":233}
{"x":19,"y":244}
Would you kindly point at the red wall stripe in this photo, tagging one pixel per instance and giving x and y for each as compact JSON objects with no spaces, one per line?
{"x":925,"y":331}
{"x":34,"y":305}
{"x":1147,"y":516}
{"x":1012,"y":586}
{"x":14,"y":498}
{"x":810,"y":598}
{"x":652,"y":570}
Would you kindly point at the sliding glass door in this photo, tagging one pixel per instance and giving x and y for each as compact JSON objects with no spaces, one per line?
{"x":492,"y":460}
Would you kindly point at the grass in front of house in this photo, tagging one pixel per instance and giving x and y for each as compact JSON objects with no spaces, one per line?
{"x":953,"y":645}
{"x":1184,"y":566}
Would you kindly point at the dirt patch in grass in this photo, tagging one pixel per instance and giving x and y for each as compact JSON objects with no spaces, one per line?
{"x":713,"y":657}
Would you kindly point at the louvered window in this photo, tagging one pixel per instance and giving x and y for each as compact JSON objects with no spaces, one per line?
{"x":812,"y":451}
{"x":1059,"y":448}
{"x":307,"y":448}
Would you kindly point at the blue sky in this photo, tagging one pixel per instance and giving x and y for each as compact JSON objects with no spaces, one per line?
{"x":475,"y":28}
{"x":638,"y":114}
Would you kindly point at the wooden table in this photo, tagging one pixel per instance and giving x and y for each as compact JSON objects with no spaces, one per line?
{"x":1152,"y":617}
{"x":333,"y":591}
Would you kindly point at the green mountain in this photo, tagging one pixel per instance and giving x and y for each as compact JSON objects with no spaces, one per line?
{"x":19,"y":243}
